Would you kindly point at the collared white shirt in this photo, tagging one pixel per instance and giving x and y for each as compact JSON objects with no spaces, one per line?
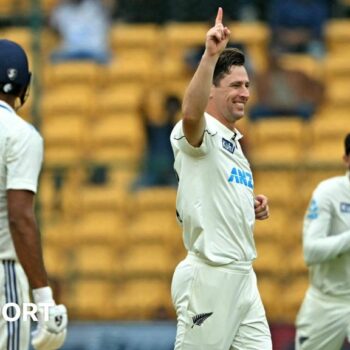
{"x":21,"y":155}
{"x":215,"y":200}
{"x":326,"y":236}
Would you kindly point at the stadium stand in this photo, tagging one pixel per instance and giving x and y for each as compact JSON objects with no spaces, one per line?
{"x":129,"y":243}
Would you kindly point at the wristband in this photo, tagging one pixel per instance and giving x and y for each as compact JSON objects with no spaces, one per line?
{"x":43,"y":295}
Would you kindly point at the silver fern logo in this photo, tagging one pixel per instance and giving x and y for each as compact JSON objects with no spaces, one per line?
{"x":200,"y":318}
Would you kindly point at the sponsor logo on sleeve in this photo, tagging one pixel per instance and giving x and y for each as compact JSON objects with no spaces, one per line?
{"x":345,"y":207}
{"x":313,"y":210}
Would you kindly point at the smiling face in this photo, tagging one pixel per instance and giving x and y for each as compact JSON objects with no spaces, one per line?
{"x":228,"y":98}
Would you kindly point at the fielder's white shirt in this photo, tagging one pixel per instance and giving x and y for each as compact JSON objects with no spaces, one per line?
{"x":215,"y":200}
{"x":21,"y":155}
{"x":326,"y":236}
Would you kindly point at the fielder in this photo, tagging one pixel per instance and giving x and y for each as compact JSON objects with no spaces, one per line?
{"x":323,"y":322}
{"x":214,"y":290}
{"x":22,"y":268}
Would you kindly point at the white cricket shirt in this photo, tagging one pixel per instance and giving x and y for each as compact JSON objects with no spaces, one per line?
{"x":326,"y":236}
{"x":21,"y":155}
{"x":215,"y":200}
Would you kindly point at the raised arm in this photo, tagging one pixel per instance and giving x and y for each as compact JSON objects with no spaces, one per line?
{"x":197,"y":94}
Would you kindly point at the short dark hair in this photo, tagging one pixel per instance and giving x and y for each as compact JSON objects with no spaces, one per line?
{"x":228,"y":58}
{"x":347,"y":144}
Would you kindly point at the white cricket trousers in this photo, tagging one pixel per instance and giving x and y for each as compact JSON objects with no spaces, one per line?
{"x":218,"y":307}
{"x":323,"y":322}
{"x":14,"y":335}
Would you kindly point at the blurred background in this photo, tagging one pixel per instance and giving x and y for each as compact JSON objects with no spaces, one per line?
{"x":109,"y":77}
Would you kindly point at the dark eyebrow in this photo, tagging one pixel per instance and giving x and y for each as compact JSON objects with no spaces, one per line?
{"x":239,"y":82}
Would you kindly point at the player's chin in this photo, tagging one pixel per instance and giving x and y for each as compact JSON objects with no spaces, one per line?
{"x":239,"y":114}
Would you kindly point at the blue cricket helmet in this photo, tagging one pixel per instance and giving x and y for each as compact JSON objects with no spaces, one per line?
{"x":14,"y":71}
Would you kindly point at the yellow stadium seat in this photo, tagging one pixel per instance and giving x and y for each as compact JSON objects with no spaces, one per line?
{"x":152,"y":259}
{"x":170,"y":68}
{"x":57,"y":260}
{"x":155,"y":226}
{"x":71,"y":73}
{"x":89,"y":299}
{"x":100,"y":227}
{"x":65,"y":101}
{"x":269,"y":257}
{"x":337,"y":35}
{"x":58,"y":233}
{"x":336,"y":92}
{"x":159,"y":198}
{"x":123,"y":99}
{"x":64,"y":139}
{"x":134,"y":35}
{"x":303,"y":63}
{"x":97,"y":260}
{"x":332,"y":112}
{"x":335,"y":129}
{"x":326,"y":152}
{"x":102,"y":198}
{"x":311,"y":178}
{"x":48,"y":5}
{"x":122,"y":176}
{"x":180,"y":37}
{"x":116,"y":139}
{"x":255,"y":37}
{"x":250,"y":32}
{"x":144,"y":299}
{"x":277,"y":226}
{"x":278,"y":185}
{"x":21,"y":35}
{"x":185,"y":34}
{"x":136,"y":68}
{"x":277,"y":140}
{"x":297,"y":263}
{"x":270,"y":287}
{"x":336,"y":66}
{"x":292,"y":296}
{"x":328,"y":140}
{"x":276,"y":153}
{"x":283,"y":128}
{"x":7,"y":8}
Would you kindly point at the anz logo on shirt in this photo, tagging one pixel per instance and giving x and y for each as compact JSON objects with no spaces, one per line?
{"x":312,"y":213}
{"x":241,"y":177}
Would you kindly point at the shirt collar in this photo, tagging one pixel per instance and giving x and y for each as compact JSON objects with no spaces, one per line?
{"x":4,"y":105}
{"x":229,"y":134}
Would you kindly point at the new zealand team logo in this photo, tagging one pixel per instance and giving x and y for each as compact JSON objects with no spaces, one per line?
{"x":200,"y":318}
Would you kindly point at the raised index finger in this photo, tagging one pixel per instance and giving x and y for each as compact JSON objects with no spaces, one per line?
{"x":218,"y":19}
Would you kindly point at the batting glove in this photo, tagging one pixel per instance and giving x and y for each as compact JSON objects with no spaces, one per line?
{"x":51,"y":331}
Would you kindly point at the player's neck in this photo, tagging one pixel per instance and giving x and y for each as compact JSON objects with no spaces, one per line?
{"x":9,"y":99}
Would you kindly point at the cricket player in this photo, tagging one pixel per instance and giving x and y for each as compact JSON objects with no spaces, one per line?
{"x":323,"y":322}
{"x":22,"y":268}
{"x":214,"y":289}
